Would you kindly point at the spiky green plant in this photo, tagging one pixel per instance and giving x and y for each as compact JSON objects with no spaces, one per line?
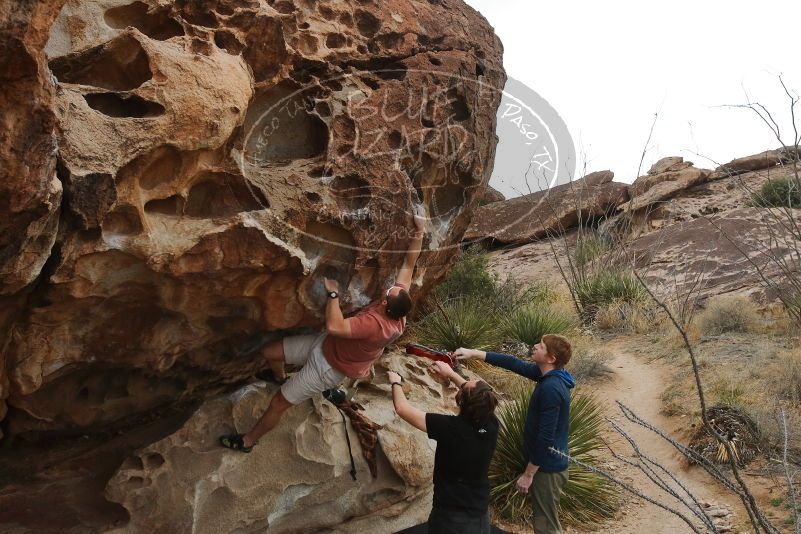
{"x":589,"y":247}
{"x":606,"y":287}
{"x":587,"y":498}
{"x":458,"y":323}
{"x":529,"y":324}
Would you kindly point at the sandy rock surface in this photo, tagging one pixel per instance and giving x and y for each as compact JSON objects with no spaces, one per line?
{"x":297,"y":478}
{"x":189,"y":175}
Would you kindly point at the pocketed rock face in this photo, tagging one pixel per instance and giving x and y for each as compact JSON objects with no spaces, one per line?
{"x":297,"y":478}
{"x":216,"y":163}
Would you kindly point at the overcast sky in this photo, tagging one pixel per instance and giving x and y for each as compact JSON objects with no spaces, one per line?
{"x":607,"y":67}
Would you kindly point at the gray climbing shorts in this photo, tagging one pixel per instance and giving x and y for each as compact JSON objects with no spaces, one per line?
{"x":316,"y":374}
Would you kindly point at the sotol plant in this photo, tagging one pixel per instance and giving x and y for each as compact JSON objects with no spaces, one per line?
{"x":587,"y":498}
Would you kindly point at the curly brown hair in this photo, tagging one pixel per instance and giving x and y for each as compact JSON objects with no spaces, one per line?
{"x":477,"y":404}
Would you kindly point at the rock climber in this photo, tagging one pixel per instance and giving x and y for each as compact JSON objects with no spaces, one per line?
{"x":347,"y":348}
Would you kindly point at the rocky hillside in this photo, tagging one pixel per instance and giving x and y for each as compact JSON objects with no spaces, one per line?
{"x":677,"y":220}
{"x":176,"y":178}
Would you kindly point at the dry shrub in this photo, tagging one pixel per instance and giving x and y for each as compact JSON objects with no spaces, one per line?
{"x":785,"y":375}
{"x":621,"y":316}
{"x":729,"y":314}
{"x":590,"y":364}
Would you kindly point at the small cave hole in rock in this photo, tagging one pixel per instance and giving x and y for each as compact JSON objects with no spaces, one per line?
{"x":303,"y":26}
{"x":224,"y":10}
{"x":172,"y":205}
{"x":123,"y":105}
{"x":156,"y":23}
{"x":285,"y":7}
{"x":133,"y":463}
{"x":228,"y":42}
{"x":371,"y":83}
{"x":335,"y":40}
{"x":458,"y":109}
{"x":326,"y":12}
{"x":197,"y":13}
{"x":317,"y":172}
{"x":118,"y":65}
{"x":135,"y":482}
{"x":395,"y":139}
{"x":323,"y":109}
{"x":279,"y":127}
{"x":160,"y":167}
{"x":390,"y":41}
{"x":367,"y":23}
{"x":313,"y":197}
{"x":199,"y":46}
{"x":346,"y":19}
{"x":435,"y":61}
{"x":220,"y":194}
{"x":153,"y":460}
{"x":123,"y":220}
{"x":351,"y":192}
{"x":333,"y":85}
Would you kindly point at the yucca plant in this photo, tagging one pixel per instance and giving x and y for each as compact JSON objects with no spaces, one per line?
{"x":465,"y":322}
{"x":588,"y":248}
{"x":529,"y":324}
{"x":587,"y":497}
{"x":606,"y":287}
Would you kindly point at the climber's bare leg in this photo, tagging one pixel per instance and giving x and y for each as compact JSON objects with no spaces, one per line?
{"x":274,"y":354}
{"x":278,"y":405}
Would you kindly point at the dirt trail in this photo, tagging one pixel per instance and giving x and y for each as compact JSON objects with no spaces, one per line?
{"x":639,"y":385}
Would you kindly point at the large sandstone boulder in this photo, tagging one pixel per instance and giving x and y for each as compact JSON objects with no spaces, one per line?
{"x":297,"y":478}
{"x":706,"y":255}
{"x":217,"y":159}
{"x":529,"y":217}
{"x":721,"y":193}
{"x":764,"y":160}
{"x":666,"y":177}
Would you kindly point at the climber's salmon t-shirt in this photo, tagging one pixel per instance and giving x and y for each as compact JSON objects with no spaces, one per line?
{"x":371,"y":331}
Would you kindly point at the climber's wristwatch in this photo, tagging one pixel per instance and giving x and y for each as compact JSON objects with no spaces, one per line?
{"x":333,"y":294}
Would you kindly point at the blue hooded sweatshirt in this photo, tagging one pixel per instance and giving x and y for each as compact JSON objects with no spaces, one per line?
{"x":547,"y":422}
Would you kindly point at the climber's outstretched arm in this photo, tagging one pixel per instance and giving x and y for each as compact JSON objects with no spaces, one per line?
{"x":335,"y":322}
{"x":412,"y":252}
{"x":407,"y":412}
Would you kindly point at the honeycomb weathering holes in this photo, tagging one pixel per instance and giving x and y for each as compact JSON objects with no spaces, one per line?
{"x":280,"y":128}
{"x":221,"y":194}
{"x":123,"y":105}
{"x":118,"y":65}
{"x":156,"y":24}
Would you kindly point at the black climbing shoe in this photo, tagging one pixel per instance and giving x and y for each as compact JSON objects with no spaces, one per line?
{"x":234,"y":441}
{"x":268,"y":376}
